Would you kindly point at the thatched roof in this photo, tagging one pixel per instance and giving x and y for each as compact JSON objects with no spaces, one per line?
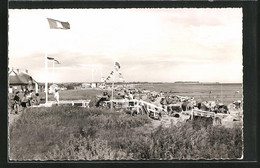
{"x":21,"y":78}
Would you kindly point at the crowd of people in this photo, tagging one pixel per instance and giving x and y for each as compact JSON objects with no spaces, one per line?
{"x":20,"y":100}
{"x":169,"y":100}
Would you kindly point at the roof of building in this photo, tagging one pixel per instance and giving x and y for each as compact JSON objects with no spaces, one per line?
{"x":20,"y":78}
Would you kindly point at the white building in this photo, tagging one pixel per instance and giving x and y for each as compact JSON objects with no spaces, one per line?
{"x":86,"y":85}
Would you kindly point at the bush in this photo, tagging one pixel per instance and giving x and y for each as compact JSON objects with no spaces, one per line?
{"x":62,"y":133}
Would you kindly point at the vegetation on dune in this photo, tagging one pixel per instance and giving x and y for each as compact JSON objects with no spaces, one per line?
{"x":40,"y":131}
{"x":94,"y":134}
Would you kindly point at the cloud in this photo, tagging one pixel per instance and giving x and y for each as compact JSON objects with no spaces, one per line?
{"x":150,"y":44}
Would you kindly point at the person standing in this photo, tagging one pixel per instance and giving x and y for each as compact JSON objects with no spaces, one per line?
{"x":29,"y":97}
{"x":38,"y":99}
{"x":33,"y":98}
{"x":16,"y":102}
{"x":131,"y":97}
{"x":24,"y":101}
{"x":57,"y":96}
{"x":161,"y":94}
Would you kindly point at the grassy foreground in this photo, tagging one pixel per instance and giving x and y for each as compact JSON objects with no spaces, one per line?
{"x":71,"y":133}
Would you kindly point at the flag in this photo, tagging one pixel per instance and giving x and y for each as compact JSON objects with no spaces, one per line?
{"x":103,"y":79}
{"x":120,"y":74}
{"x":117,"y":66}
{"x":50,"y":58}
{"x":55,"y":24}
{"x":56,"y":61}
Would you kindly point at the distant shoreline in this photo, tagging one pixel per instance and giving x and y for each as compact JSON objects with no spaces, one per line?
{"x":151,"y":83}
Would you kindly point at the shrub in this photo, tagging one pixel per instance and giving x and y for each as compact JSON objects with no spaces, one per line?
{"x":96,"y":134}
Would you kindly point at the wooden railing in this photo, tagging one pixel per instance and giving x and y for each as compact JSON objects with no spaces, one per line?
{"x":84,"y":103}
{"x":139,"y":106}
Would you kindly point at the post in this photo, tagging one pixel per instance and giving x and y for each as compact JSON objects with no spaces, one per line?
{"x":112,"y":94}
{"x":52,"y":71}
{"x":221,"y":92}
{"x":101,"y":72}
{"x":46,"y":64}
{"x":36,"y":87}
{"x":137,"y":108}
{"x":92,"y":71}
{"x":46,"y":79}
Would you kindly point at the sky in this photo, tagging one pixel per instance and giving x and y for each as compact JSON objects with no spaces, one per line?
{"x":151,"y":45}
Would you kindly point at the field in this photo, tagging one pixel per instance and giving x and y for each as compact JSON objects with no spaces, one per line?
{"x":74,"y":133}
{"x":86,"y":94}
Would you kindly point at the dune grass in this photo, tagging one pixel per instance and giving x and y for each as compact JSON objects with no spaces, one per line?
{"x":74,"y":133}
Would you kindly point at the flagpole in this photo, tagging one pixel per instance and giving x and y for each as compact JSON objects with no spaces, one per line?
{"x":46,"y":78}
{"x":46,"y":66}
{"x":112,"y":95}
{"x":92,"y":71}
{"x":101,"y":72}
{"x":221,"y":93}
{"x":53,"y":24}
{"x":53,"y":71}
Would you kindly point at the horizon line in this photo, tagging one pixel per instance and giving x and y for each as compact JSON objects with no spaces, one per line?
{"x":176,"y":82}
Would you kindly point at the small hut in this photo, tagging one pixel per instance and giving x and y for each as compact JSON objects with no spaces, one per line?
{"x":21,"y":81}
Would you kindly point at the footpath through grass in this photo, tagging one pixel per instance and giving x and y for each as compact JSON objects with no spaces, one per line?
{"x":72,"y":133}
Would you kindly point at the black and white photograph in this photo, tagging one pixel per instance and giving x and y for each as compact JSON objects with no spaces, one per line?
{"x":125,"y":84}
